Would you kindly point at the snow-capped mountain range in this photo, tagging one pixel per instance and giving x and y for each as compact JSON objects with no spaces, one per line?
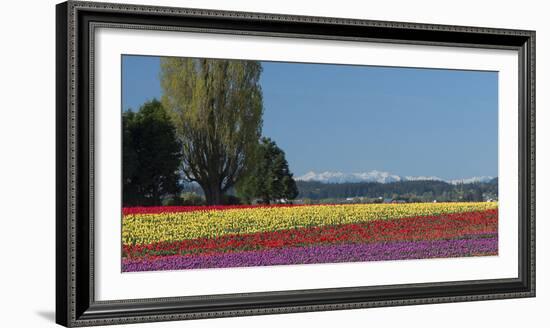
{"x":379,"y":176}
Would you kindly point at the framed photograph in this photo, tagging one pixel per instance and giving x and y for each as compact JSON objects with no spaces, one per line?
{"x":214,"y":163}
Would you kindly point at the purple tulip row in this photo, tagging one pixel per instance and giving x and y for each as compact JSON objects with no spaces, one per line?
{"x":382,"y":251}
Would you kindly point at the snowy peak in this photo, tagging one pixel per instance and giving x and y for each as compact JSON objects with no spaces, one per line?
{"x":339,"y":177}
{"x":380,"y":177}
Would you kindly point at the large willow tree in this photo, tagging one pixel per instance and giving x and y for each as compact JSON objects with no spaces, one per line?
{"x":216,"y":106}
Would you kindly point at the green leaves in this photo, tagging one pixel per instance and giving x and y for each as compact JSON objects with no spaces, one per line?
{"x":216,"y":107}
{"x":269,"y":178}
{"x":151,"y":155}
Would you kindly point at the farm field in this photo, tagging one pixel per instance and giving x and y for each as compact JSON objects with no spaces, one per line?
{"x":176,"y":238}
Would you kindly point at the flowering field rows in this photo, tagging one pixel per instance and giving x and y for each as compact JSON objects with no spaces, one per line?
{"x":171,"y":238}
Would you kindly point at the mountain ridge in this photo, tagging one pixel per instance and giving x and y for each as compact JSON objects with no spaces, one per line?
{"x":381,"y":177}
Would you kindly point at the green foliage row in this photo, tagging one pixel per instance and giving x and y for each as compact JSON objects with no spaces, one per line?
{"x":408,"y":191}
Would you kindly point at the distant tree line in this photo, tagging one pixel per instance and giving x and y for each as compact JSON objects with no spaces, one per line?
{"x":408,"y":191}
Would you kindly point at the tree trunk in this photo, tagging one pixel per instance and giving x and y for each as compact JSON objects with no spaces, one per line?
{"x":213,"y":193}
{"x":216,"y":197}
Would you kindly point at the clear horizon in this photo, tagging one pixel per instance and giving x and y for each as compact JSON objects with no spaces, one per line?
{"x":351,"y":119}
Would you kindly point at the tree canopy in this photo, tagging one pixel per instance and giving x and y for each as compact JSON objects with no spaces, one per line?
{"x":216,"y":107}
{"x":151,"y":155}
{"x":269,"y":179}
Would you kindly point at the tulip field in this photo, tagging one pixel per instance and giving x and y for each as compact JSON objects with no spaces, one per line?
{"x":186,"y":237}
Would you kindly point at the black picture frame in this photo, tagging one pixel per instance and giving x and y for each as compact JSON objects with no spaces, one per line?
{"x":75,"y":302}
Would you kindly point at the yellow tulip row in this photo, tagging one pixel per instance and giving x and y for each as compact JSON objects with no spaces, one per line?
{"x":174,"y":226}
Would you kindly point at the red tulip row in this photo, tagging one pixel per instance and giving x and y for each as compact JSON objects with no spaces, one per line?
{"x":171,"y":209}
{"x":446,"y":226}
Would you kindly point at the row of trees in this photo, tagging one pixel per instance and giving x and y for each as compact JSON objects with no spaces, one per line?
{"x":408,"y":191}
{"x":205,"y":130}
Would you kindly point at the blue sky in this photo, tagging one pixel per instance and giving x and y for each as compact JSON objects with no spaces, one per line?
{"x":407,"y":121}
